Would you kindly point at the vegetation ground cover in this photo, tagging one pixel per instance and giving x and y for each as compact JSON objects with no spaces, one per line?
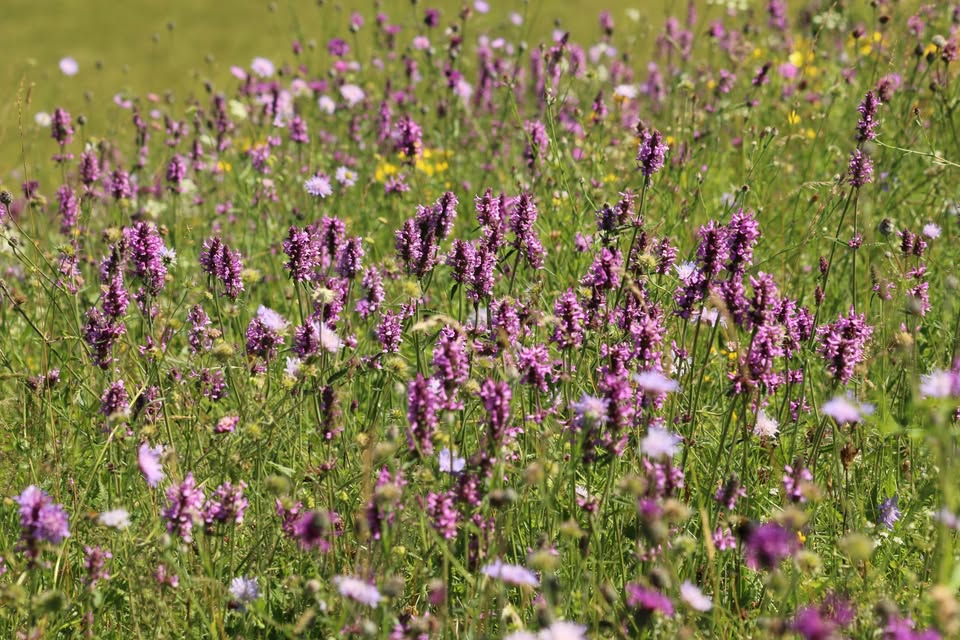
{"x":441,"y":326}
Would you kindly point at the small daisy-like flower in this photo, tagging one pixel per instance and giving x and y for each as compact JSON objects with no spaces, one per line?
{"x":660,"y":443}
{"x":358,"y":590}
{"x":346,"y":177}
{"x":115,"y":518}
{"x":694,"y":597}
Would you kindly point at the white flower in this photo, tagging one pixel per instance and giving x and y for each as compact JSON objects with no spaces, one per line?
{"x":563,"y":630}
{"x":329,"y":340}
{"x":931,"y":230}
{"x":694,"y":597}
{"x":271,"y":319}
{"x":42,"y":118}
{"x":766,"y":426}
{"x":293,"y":367}
{"x":625,"y":91}
{"x":938,"y":384}
{"x":69,"y":66}
{"x":844,"y":409}
{"x":116,"y":518}
{"x":659,"y":443}
{"x":685,"y":270}
{"x":326,"y":104}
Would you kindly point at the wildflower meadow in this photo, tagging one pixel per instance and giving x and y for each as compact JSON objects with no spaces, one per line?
{"x":440,"y":326}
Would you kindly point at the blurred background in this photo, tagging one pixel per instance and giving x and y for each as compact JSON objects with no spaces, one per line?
{"x":172,"y":47}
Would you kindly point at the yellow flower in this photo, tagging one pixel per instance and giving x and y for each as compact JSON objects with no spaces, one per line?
{"x":793,"y":118}
{"x":224,"y":166}
{"x":796,"y":59}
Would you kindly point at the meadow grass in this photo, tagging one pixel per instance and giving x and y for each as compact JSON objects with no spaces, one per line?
{"x":456,"y":326}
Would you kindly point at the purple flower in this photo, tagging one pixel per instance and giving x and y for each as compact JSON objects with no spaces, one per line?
{"x":147,"y":255}
{"x":649,"y":600}
{"x":796,"y":480}
{"x":660,"y":443}
{"x":373,"y":293}
{"x":408,"y":139}
{"x":845,"y":410}
{"x":449,"y":463}
{"x":302,"y":253}
{"x":318,"y":186}
{"x":569,"y":327}
{"x":68,"y":209}
{"x":148,"y":459}
{"x":350,"y":257}
{"x":768,"y":544}
{"x":95,"y":564}
{"x":358,"y":590}
{"x":496,"y":401}
{"x":729,"y":492}
{"x":860,"y":170}
{"x":226,"y":504}
{"x":389,"y":331}
{"x":442,"y":512}
{"x":115,"y":401}
{"x":842,"y":344}
{"x":694,"y":597}
{"x":244,"y":590}
{"x":423,"y":404}
{"x":888,"y":512}
{"x":184,"y":508}
{"x":534,"y":365}
{"x":61,"y":129}
{"x":510,"y":573}
{"x":314,"y":529}
{"x":264,"y":333}
{"x":652,"y":152}
{"x":219,"y":262}
{"x":41,"y":520}
{"x":176,"y":172}
{"x":867,"y":125}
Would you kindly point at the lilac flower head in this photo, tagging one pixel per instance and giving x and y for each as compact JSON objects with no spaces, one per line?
{"x":358,"y":590}
{"x":694,"y":597}
{"x":244,"y":590}
{"x":148,"y":459}
{"x":318,"y":186}
{"x":449,"y":462}
{"x":510,"y":573}
{"x":845,"y":410}
{"x":660,"y":443}
{"x":888,"y":512}
{"x":652,"y":152}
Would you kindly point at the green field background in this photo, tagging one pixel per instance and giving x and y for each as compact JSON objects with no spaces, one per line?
{"x":154,"y":46}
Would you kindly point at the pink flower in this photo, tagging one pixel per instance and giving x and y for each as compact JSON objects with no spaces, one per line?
{"x":69,"y":66}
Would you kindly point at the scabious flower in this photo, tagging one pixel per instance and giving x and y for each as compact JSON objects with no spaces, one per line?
{"x":244,"y":590}
{"x":41,"y":520}
{"x":846,"y":410}
{"x":767,"y":545}
{"x":115,"y":518}
{"x":694,"y":597}
{"x":318,"y":186}
{"x":450,"y":463}
{"x":358,"y":590}
{"x":510,"y":573}
{"x":148,"y":459}
{"x":888,"y":512}
{"x":765,"y":426}
{"x":660,"y":443}
{"x":184,"y":508}
{"x":842,"y":344}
